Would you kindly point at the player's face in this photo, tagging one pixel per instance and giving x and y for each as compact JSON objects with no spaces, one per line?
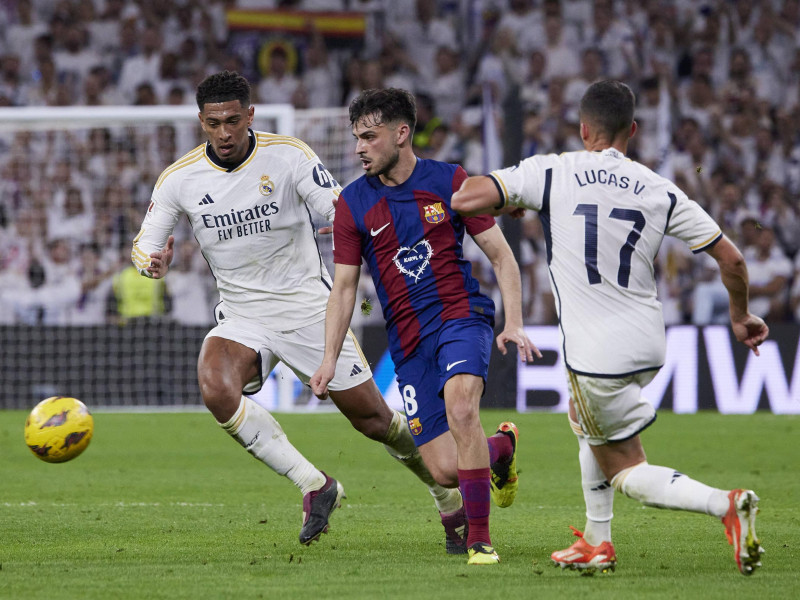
{"x":376,"y":145}
{"x":225,"y":124}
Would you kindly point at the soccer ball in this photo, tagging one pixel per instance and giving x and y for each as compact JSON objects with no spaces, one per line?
{"x":59,"y":429}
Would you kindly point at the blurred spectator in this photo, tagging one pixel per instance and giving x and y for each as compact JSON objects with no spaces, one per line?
{"x":21,"y":34}
{"x":320,"y":74}
{"x":523,"y":23}
{"x":75,"y":58}
{"x":794,"y":298}
{"x":189,"y":287}
{"x":278,"y":86}
{"x":562,"y":55}
{"x":615,"y":40}
{"x":142,"y":67}
{"x":73,"y":220}
{"x":770,"y":272}
{"x":591,"y":70}
{"x":423,"y":35}
{"x":533,"y":90}
{"x":448,"y":87}
{"x":10,"y":81}
{"x":784,"y":215}
{"x":136,"y":297}
{"x":92,"y":306}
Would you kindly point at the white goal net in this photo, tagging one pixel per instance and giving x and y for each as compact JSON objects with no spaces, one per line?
{"x":75,"y":183}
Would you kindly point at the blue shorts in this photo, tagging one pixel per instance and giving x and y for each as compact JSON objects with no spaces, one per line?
{"x":460,"y":346}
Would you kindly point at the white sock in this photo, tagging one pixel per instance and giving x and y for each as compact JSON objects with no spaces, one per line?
{"x":597,"y":494}
{"x":663,"y":487}
{"x":261,"y":435}
{"x":400,"y":445}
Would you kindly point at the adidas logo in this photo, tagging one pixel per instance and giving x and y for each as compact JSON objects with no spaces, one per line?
{"x":206,"y":200}
{"x":675,"y":476}
{"x":356,"y":370}
{"x":603,"y":486}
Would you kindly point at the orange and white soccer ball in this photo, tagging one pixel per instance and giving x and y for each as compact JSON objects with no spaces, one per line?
{"x":59,"y":429}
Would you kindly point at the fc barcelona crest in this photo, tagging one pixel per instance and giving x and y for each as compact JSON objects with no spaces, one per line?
{"x":265,"y":186}
{"x":415,"y":426}
{"x":434,"y":213}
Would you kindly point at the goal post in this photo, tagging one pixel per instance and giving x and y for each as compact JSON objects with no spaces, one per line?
{"x":110,"y":157}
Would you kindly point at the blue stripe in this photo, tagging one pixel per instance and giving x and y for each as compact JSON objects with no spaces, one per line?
{"x":708,"y":245}
{"x":672,"y":202}
{"x":610,"y":375}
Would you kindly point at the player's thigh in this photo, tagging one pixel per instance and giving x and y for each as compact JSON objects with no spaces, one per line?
{"x":238,"y":352}
{"x":463,"y":347}
{"x":365,"y":407}
{"x":462,"y":394}
{"x":302,"y":350}
{"x":611,"y":410}
{"x":418,"y":382}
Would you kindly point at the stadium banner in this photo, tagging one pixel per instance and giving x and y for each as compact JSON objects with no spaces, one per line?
{"x":152,"y":365}
{"x":254,"y":34}
{"x":705,"y":369}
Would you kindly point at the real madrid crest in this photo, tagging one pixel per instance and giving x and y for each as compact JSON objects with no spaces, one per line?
{"x":265,"y":186}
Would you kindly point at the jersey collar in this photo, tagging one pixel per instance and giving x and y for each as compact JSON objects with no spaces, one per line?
{"x":229,"y":167}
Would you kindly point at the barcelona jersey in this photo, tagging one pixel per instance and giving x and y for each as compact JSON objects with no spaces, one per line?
{"x":411,"y":240}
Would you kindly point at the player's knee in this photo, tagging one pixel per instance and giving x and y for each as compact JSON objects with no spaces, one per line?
{"x":371,"y":426}
{"x":221,"y":399}
{"x":443,"y":474}
{"x":463,"y":416}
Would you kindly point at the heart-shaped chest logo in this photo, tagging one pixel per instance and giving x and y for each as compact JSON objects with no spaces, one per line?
{"x":413,"y":261}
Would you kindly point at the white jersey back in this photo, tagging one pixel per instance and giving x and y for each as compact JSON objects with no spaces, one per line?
{"x":604,"y":217}
{"x":253,"y":227}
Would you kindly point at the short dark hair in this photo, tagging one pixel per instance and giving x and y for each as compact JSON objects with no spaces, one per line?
{"x":390,"y":105}
{"x":608,"y":105}
{"x":223,"y":87}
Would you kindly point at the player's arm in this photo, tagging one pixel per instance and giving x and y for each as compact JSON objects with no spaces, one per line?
{"x":341,"y":303}
{"x":481,"y":195}
{"x":496,"y":248}
{"x":153,"y":247}
{"x":748,"y":328}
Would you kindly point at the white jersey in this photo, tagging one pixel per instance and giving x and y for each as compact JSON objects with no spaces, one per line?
{"x":604,"y":217}
{"x":253,"y":226}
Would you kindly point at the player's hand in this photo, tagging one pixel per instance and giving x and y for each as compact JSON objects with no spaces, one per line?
{"x":319,"y":380}
{"x":527,"y":349}
{"x":517,"y":213}
{"x":751,"y":331}
{"x":160,"y":261}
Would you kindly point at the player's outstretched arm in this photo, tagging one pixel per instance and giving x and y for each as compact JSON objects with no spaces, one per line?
{"x":337,"y":320}
{"x":748,"y":328}
{"x":496,"y":248}
{"x":479,"y":195}
{"x":160,"y":260}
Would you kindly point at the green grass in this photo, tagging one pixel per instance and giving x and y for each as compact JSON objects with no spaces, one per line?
{"x":167,"y":506}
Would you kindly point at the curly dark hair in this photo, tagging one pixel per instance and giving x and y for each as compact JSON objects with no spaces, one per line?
{"x":223,"y":87}
{"x":390,"y":105}
{"x":609,"y":106}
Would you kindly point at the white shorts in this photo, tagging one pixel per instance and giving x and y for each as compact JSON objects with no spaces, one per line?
{"x":611,"y":410}
{"x":300,"y":349}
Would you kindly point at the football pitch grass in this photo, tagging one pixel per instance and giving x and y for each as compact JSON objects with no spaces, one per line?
{"x":168,"y":506}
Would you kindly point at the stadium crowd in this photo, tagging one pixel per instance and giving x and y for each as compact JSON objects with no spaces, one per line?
{"x":718,"y":93}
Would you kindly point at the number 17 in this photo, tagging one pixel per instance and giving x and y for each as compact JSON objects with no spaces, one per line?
{"x":589,"y":213}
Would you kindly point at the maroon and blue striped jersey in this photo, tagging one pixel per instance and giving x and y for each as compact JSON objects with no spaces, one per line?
{"x":411,"y":240}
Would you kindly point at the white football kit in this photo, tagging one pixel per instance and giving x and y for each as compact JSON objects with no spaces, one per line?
{"x":604,"y":217}
{"x":254,"y":229}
